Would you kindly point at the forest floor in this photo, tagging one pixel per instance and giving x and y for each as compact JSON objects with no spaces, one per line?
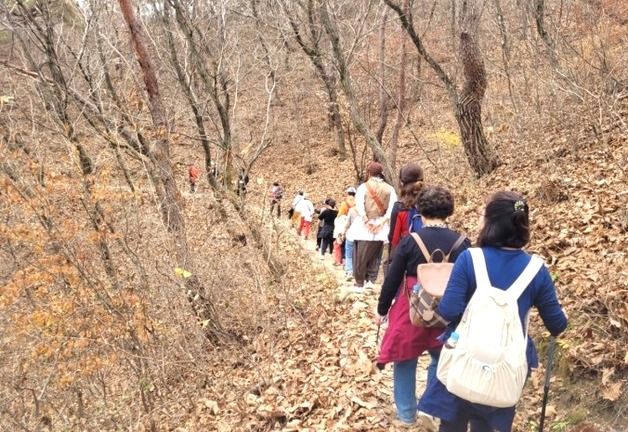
{"x":323,"y":375}
{"x":318,"y":373}
{"x":310,"y":363}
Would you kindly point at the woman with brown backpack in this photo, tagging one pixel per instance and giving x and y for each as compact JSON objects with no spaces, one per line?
{"x":404,"y":343}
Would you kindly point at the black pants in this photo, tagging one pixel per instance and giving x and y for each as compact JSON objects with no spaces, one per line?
{"x":466,"y":417}
{"x":366,"y":260}
{"x":274,"y":203}
{"x":327,"y":243}
{"x":319,"y":238}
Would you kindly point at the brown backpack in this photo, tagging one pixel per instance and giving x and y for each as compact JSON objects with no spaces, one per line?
{"x":432,"y":277}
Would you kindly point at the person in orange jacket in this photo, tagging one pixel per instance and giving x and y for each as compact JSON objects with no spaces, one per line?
{"x":349,"y":202}
{"x":194,"y":174}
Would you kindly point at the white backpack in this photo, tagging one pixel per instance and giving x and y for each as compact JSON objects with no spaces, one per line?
{"x":488,"y":364}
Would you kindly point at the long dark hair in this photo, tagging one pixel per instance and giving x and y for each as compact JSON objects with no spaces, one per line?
{"x":506,"y":221}
{"x":411,"y":183}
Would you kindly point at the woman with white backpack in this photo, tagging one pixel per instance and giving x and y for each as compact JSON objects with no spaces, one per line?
{"x":487,"y":357}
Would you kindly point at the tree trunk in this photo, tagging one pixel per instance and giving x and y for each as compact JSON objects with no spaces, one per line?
{"x":539,"y":11}
{"x":468,"y":106}
{"x":469,"y":109}
{"x":501,"y":23}
{"x":383,"y":95}
{"x":186,"y":86}
{"x":401,"y":97}
{"x":336,"y":121}
{"x":313,"y":51}
{"x":345,"y":79}
{"x":170,"y":204}
{"x":214,"y":81}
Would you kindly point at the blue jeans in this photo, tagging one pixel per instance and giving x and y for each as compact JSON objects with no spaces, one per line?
{"x":404,"y":386}
{"x":349,"y":256}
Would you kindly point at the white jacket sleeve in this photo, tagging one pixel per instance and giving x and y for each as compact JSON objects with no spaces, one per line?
{"x":360,"y":196}
{"x":391,"y":202}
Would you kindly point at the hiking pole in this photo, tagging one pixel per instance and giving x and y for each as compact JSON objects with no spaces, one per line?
{"x":378,"y":365}
{"x":548,"y":375}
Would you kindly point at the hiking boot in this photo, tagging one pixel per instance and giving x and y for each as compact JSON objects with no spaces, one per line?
{"x":404,"y":424}
{"x":368,"y":285}
{"x":357,"y":289}
{"x":427,"y":422}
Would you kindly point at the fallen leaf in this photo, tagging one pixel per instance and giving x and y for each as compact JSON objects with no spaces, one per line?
{"x":550,"y":411}
{"x":606,"y":375}
{"x":368,"y":405}
{"x":211,"y":405}
{"x":612,"y":392}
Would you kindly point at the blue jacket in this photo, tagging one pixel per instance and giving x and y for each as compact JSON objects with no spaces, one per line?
{"x":504,"y":266}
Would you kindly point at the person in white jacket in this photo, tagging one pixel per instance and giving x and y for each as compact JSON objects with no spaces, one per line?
{"x":374,"y":201}
{"x":306,"y":209}
{"x":295,"y":217}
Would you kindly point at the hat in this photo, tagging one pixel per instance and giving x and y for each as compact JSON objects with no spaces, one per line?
{"x":410,"y":173}
{"x":350,"y":189}
{"x":375,"y":169}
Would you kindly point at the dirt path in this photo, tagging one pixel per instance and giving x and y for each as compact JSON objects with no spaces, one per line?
{"x":364,"y":391}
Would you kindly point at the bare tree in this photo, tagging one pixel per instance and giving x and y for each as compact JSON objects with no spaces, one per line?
{"x":401,"y":97}
{"x":505,"y":45}
{"x":190,"y":95}
{"x":309,"y":36}
{"x":384,"y":103}
{"x":160,"y":151}
{"x":345,"y":78}
{"x":213,"y":76}
{"x":539,"y":14}
{"x":468,"y":104}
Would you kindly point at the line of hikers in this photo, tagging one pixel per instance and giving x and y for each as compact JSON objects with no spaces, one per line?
{"x":468,"y":307}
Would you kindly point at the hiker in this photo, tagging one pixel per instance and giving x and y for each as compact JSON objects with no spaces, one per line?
{"x":374,"y":201}
{"x":404,"y":343}
{"x":293,"y":213}
{"x":340,"y":225}
{"x":319,"y":228}
{"x":305,"y":208}
{"x":243,"y":180}
{"x":349,"y":242}
{"x":348,"y":202}
{"x":194,"y":174}
{"x":327,"y":218}
{"x":404,"y":211}
{"x":500,"y":261}
{"x":343,"y":210}
{"x":410,"y":183}
{"x":276,"y":194}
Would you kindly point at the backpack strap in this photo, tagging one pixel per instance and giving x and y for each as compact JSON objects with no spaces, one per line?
{"x":455,"y":246}
{"x":373,"y":194}
{"x":479,"y":267}
{"x":521,"y":283}
{"x":424,"y":251}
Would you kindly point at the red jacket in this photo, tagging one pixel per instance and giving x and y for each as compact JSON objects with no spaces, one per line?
{"x":403,"y":340}
{"x":194,"y":173}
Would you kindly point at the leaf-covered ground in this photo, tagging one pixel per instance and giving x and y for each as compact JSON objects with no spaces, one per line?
{"x":315,"y":370}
